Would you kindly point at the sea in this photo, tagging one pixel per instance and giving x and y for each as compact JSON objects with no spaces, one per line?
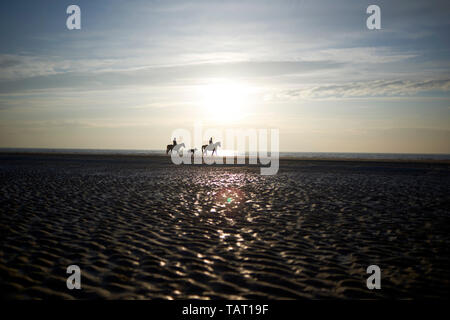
{"x":299,"y":155}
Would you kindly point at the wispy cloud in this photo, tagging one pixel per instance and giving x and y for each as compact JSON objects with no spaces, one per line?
{"x":49,"y":78}
{"x":375,"y":88}
{"x":360,"y":55}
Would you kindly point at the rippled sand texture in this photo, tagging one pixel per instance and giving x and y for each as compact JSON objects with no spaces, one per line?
{"x":141,"y":227}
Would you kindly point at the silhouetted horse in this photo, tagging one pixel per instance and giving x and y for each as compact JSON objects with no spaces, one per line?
{"x":172,"y":148}
{"x":211,"y":147}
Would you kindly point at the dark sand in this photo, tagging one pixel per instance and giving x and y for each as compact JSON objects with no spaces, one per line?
{"x":141,"y":227}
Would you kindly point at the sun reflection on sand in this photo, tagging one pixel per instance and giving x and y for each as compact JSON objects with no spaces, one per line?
{"x":229,"y":200}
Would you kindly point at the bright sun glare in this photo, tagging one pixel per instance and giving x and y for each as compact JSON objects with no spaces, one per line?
{"x":224,"y":101}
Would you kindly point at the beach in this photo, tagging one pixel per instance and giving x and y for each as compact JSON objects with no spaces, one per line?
{"x":140,"y":227}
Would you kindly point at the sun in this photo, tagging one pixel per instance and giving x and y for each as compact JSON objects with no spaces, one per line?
{"x":224,"y":101}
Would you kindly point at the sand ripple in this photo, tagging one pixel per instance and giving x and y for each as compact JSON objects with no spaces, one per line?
{"x":144,"y":228}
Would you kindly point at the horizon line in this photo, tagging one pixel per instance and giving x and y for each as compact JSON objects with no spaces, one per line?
{"x":247,"y":151}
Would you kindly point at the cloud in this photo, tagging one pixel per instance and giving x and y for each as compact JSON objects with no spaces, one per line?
{"x":375,"y":88}
{"x":14,"y":67}
{"x":8,"y":61}
{"x":163,"y":75}
{"x":365,"y":55}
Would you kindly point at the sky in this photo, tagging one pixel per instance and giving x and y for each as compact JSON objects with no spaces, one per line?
{"x":138,"y":70}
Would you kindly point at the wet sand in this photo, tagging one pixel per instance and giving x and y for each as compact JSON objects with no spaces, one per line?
{"x":140,"y":227}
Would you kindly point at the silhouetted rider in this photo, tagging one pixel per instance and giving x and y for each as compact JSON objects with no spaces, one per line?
{"x":174,"y":142}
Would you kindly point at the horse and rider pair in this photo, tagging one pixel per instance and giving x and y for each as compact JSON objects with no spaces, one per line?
{"x":205,"y":148}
